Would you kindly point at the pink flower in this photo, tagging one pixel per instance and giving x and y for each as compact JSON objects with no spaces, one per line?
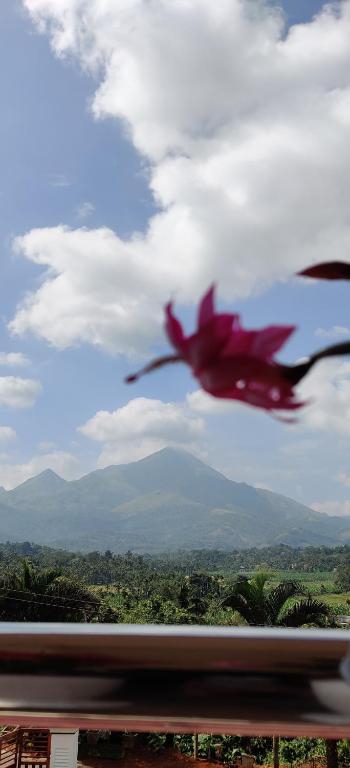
{"x":328,"y":270}
{"x":228,"y":361}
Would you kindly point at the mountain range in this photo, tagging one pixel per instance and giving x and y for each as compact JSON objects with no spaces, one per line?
{"x":167,"y":501}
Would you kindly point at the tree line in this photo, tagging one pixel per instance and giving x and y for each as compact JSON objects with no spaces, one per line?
{"x":31,"y":593}
{"x":108,"y":568}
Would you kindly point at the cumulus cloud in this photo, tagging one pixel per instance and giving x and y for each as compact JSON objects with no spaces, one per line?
{"x":141,"y":427}
{"x":85,"y":210}
{"x":200,"y":402}
{"x":93,"y":292}
{"x":7,"y":434}
{"x":13,"y":360}
{"x":333,"y":333}
{"x":246,"y":131}
{"x":16,"y":392}
{"x":64,"y":464}
{"x":333,"y":508}
{"x":327,"y":389}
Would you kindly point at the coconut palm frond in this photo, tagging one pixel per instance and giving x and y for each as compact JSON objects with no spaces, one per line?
{"x":43,"y":579}
{"x":260,"y":580}
{"x":249,"y":599}
{"x":308,"y":611}
{"x":278,"y":596}
{"x":240,"y":604}
{"x":261,"y":606}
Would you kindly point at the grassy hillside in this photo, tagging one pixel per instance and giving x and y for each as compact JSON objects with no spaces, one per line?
{"x":165,"y":502}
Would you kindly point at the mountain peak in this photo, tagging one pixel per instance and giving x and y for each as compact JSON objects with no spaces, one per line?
{"x":48,"y":473}
{"x":170,"y":452}
{"x":49,"y":476}
{"x":174,"y":459}
{"x":46,"y":478}
{"x":174,"y":451}
{"x":167,"y":501}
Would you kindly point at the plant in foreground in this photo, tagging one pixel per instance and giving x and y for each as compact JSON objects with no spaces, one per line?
{"x":229,"y":361}
{"x":233,"y":363}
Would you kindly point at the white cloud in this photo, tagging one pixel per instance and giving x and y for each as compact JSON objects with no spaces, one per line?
{"x":333,"y":333}
{"x":327,"y":388}
{"x":141,"y":427}
{"x":13,"y":360}
{"x":341,"y":508}
{"x":7,"y":434}
{"x":200,"y":402}
{"x":85,"y":210}
{"x":16,"y":392}
{"x":60,"y":180}
{"x":65,"y":464}
{"x":246,"y":130}
{"x":95,"y":291}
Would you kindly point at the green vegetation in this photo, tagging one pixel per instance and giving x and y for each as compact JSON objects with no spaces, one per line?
{"x":32,"y":594}
{"x":293,"y":752}
{"x":186,"y":588}
{"x":296,"y":562}
{"x":343,"y":576}
{"x":222,"y":749}
{"x":259,"y":604}
{"x":318,"y":565}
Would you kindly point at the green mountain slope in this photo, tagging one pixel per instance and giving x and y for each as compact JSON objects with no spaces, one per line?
{"x":167,"y":501}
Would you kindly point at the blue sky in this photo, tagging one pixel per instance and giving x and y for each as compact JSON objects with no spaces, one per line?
{"x":83,"y":148}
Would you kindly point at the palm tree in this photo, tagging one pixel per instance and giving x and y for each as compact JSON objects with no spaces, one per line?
{"x":331,"y":753}
{"x":33,"y":594}
{"x":263,"y":606}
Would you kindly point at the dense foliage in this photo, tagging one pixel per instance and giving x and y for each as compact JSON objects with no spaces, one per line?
{"x":259,"y":604}
{"x":108,"y":568}
{"x":60,"y":586}
{"x":226,"y":749}
{"x":28,"y":593}
{"x":343,"y":577}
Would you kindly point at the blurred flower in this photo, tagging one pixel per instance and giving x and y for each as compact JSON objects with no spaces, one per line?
{"x":229,"y":361}
{"x":329,"y":270}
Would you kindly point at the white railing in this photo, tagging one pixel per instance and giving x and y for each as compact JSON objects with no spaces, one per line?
{"x":212,"y":679}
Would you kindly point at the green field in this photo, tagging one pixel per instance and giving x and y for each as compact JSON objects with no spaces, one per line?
{"x":320,"y":584}
{"x":317,"y":582}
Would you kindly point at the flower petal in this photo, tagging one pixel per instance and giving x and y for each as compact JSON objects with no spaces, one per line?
{"x":173,"y":329}
{"x":261,"y":398}
{"x":158,"y":362}
{"x":328,"y":270}
{"x":269,"y":340}
{"x":206,"y":308}
{"x":206,"y":345}
{"x":252,"y":381}
{"x":227,"y":371}
{"x":261,"y":343}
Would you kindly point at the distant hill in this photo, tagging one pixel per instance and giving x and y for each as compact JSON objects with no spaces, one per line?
{"x":167,"y":501}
